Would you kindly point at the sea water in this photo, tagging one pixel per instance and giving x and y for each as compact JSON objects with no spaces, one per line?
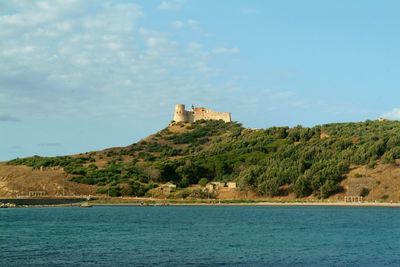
{"x":200,"y":236}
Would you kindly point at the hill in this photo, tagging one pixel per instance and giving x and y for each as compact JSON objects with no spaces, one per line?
{"x":325,"y":161}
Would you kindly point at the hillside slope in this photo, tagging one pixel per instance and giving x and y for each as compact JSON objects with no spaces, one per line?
{"x":20,"y":180}
{"x":319,"y":162}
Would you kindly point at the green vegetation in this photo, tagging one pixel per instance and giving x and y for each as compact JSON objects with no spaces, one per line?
{"x":70,"y":164}
{"x":273,"y":162}
{"x":364,"y":192}
{"x":203,"y":182}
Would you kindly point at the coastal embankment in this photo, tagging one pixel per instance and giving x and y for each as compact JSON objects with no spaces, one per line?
{"x":42,"y":201}
{"x":118,"y":201}
{"x":214,"y":202}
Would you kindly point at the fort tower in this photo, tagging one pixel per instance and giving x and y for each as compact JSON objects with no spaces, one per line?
{"x":180,"y":114}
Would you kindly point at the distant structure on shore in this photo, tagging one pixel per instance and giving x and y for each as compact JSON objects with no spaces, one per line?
{"x":195,"y":114}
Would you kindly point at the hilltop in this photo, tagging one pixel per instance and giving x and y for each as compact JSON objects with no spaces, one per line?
{"x":327,"y":161}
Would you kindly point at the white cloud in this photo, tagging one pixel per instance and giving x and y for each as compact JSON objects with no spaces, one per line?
{"x":394,"y":114}
{"x":190,"y":24}
{"x":171,"y":5}
{"x":194,"y":47}
{"x":157,"y":43}
{"x":225,"y":50}
{"x":177,"y":24}
{"x":92,"y":58}
{"x":27,"y":49}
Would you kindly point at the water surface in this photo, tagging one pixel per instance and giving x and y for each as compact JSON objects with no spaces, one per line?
{"x":200,"y":236}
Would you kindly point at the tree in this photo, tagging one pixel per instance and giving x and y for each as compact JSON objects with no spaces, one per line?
{"x":248,"y":177}
{"x":302,"y":187}
{"x":329,"y":188}
{"x":114,"y":191}
{"x":138,"y":189}
{"x":183,"y":183}
{"x":270,"y":187}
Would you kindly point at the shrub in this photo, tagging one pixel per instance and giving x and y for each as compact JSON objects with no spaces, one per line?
{"x":329,"y":188}
{"x":364,"y":192}
{"x":114,"y":191}
{"x":184,"y":193}
{"x":183,"y":183}
{"x":203,"y":182}
{"x":102,"y":190}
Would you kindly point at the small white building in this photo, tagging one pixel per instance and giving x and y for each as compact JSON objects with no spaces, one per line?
{"x":218,"y":185}
{"x":37,"y":193}
{"x":168,"y":188}
{"x":231,"y":185}
{"x":210,"y":187}
{"x":214,"y":186}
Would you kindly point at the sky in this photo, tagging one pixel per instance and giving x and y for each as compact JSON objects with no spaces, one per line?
{"x":79,"y":76}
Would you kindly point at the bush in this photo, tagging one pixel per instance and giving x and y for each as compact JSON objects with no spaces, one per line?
{"x":201,"y":194}
{"x":270,"y":187}
{"x":138,"y":189}
{"x":102,"y":190}
{"x":364,"y":192}
{"x":114,"y":191}
{"x":184,"y":183}
{"x":329,"y":188}
{"x":184,"y":193}
{"x":77,"y":170}
{"x":203,"y":182}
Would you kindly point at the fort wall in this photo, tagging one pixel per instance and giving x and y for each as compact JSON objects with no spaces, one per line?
{"x":182,"y":115}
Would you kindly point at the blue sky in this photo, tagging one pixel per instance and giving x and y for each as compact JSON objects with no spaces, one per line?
{"x":78,"y":76}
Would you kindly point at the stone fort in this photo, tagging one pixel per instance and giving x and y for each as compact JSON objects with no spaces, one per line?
{"x":195,"y":114}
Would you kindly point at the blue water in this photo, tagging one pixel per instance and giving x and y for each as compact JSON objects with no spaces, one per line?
{"x":200,"y":236}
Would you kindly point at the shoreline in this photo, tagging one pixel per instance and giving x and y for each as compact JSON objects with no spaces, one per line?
{"x":260,"y":204}
{"x":150,"y":202}
{"x":263,"y":204}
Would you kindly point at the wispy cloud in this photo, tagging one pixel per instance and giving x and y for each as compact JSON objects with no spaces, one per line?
{"x":177,"y":24}
{"x":8,"y":118}
{"x":93,"y":58}
{"x":394,"y":114}
{"x":190,"y":24}
{"x":171,"y":5}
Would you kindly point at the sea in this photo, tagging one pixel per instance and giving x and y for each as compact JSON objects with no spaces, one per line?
{"x":200,"y":236}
